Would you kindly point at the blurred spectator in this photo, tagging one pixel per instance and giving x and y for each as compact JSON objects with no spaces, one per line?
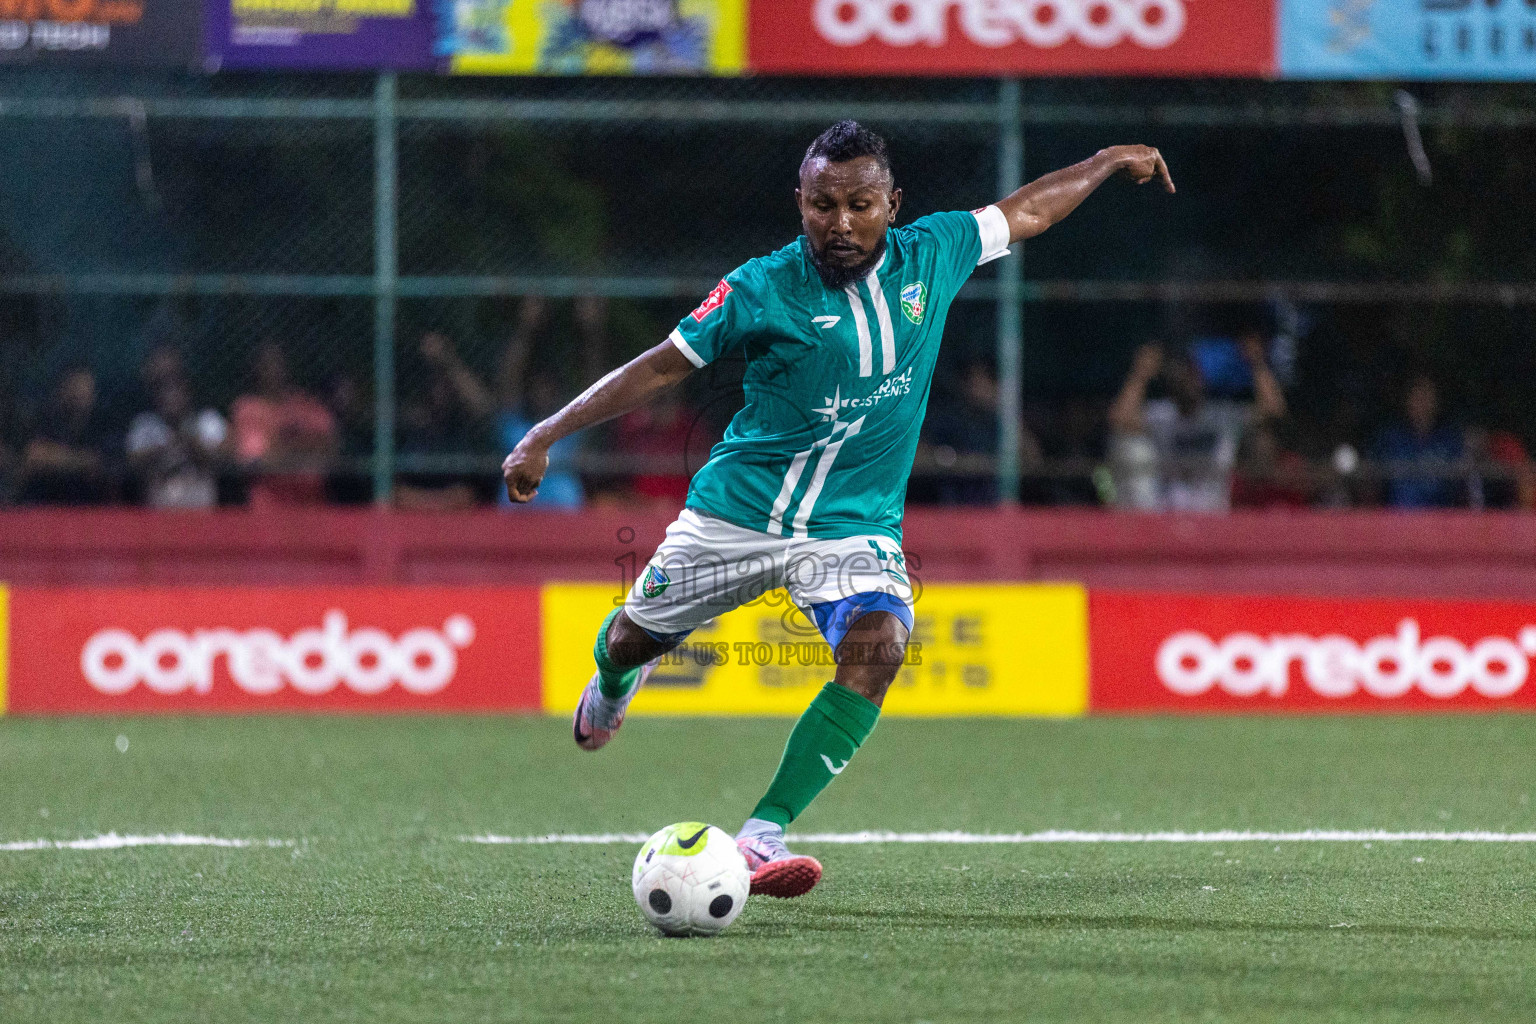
{"x":967,"y":426}
{"x":351,"y":482}
{"x":1504,"y":450}
{"x":1074,"y":440}
{"x":1178,"y":453}
{"x":162,"y":363}
{"x":657,"y":436}
{"x":176,"y":451}
{"x":524,"y":399}
{"x":1422,"y":455}
{"x":1269,"y":473}
{"x":8,"y":460}
{"x":561,"y":487}
{"x":447,"y":421}
{"x":70,"y":451}
{"x":283,"y":434}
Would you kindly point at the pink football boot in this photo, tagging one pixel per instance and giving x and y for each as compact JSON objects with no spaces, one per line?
{"x":776,"y":871}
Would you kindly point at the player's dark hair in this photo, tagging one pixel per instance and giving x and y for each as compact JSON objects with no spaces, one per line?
{"x":849,"y":140}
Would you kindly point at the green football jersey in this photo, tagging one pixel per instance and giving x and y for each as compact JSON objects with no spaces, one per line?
{"x":836,"y":381}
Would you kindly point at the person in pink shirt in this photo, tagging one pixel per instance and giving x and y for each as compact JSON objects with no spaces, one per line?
{"x":283,"y":435}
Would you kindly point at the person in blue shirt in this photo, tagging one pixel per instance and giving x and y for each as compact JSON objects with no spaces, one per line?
{"x":562,"y":486}
{"x":527,"y":396}
{"x":1421,"y":440}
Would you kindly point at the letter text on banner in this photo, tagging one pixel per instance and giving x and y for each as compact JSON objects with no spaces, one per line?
{"x":977,"y":650}
{"x":354,"y":649}
{"x":1178,"y":652}
{"x":367,"y":35}
{"x":100,"y":33}
{"x":1013,"y":37}
{"x":1491,"y":40}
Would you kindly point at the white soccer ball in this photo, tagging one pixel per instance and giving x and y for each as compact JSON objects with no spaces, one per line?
{"x":690,"y":879}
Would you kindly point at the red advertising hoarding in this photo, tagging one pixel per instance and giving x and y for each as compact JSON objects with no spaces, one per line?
{"x":190,"y":650}
{"x":1013,"y":37}
{"x":1169,"y":652}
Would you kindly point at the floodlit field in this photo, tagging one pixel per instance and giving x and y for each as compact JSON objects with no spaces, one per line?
{"x":372,"y":908}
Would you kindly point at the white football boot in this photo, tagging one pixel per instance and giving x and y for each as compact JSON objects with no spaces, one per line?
{"x":598,"y":718}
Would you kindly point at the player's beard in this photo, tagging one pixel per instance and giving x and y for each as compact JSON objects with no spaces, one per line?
{"x":836,"y":277}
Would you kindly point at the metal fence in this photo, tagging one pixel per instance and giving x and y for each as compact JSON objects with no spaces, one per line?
{"x":346,"y":218}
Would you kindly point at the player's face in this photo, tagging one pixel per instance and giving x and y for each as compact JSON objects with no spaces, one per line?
{"x":846,"y":209}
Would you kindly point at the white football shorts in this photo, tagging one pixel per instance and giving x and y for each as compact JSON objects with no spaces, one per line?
{"x":707,"y":566}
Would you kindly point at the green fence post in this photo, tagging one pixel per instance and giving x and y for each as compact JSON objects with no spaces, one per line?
{"x":386,"y":282}
{"x":1010,"y":287}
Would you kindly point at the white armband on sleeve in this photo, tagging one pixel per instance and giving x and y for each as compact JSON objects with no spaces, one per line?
{"x":676,"y":337}
{"x":993,"y":225}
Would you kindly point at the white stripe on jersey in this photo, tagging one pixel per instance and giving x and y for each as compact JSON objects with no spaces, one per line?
{"x":823,"y":467}
{"x":791,"y":481}
{"x":861,"y":323}
{"x":883,"y":313}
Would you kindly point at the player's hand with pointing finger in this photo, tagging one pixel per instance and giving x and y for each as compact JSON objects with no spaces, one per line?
{"x":524,"y":469}
{"x":1141,"y":164}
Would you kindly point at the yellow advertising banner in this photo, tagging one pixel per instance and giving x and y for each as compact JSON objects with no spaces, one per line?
{"x":595,"y":37}
{"x":975,"y":650}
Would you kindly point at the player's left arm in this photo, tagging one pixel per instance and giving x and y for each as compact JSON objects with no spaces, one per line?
{"x":1049,"y":199}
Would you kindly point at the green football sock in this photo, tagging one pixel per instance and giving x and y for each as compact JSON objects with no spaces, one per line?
{"x":824,"y":740}
{"x":613,"y":681}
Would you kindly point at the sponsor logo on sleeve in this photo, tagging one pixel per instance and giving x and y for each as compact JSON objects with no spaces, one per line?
{"x":655,"y":582}
{"x":715,"y":300}
{"x":914,"y":301}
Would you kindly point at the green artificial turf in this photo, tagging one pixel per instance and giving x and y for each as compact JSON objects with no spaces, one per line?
{"x":379,"y":913}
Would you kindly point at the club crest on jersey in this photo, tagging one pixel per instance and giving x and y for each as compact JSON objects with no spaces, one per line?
{"x":914,"y":301}
{"x":715,"y":301}
{"x":655,"y":581}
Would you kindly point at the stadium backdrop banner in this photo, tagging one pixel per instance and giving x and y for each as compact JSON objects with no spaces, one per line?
{"x":1013,"y":37}
{"x":976,"y":650}
{"x":97,"y":33}
{"x":986,"y":649}
{"x":593,"y":37}
{"x":274,"y":649}
{"x":1426,"y":39}
{"x":1207,"y":653}
{"x":339,"y":35}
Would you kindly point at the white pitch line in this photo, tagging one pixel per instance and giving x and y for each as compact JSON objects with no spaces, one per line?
{"x":1308,"y":836}
{"x":113,"y":841}
{"x":1054,"y":836}
{"x":559,"y":839}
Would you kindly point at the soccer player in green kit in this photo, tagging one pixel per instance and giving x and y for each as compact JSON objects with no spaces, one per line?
{"x":840,"y":331}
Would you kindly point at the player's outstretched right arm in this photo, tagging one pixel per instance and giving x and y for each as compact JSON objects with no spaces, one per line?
{"x":1047,"y":200}
{"x":629,"y":387}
